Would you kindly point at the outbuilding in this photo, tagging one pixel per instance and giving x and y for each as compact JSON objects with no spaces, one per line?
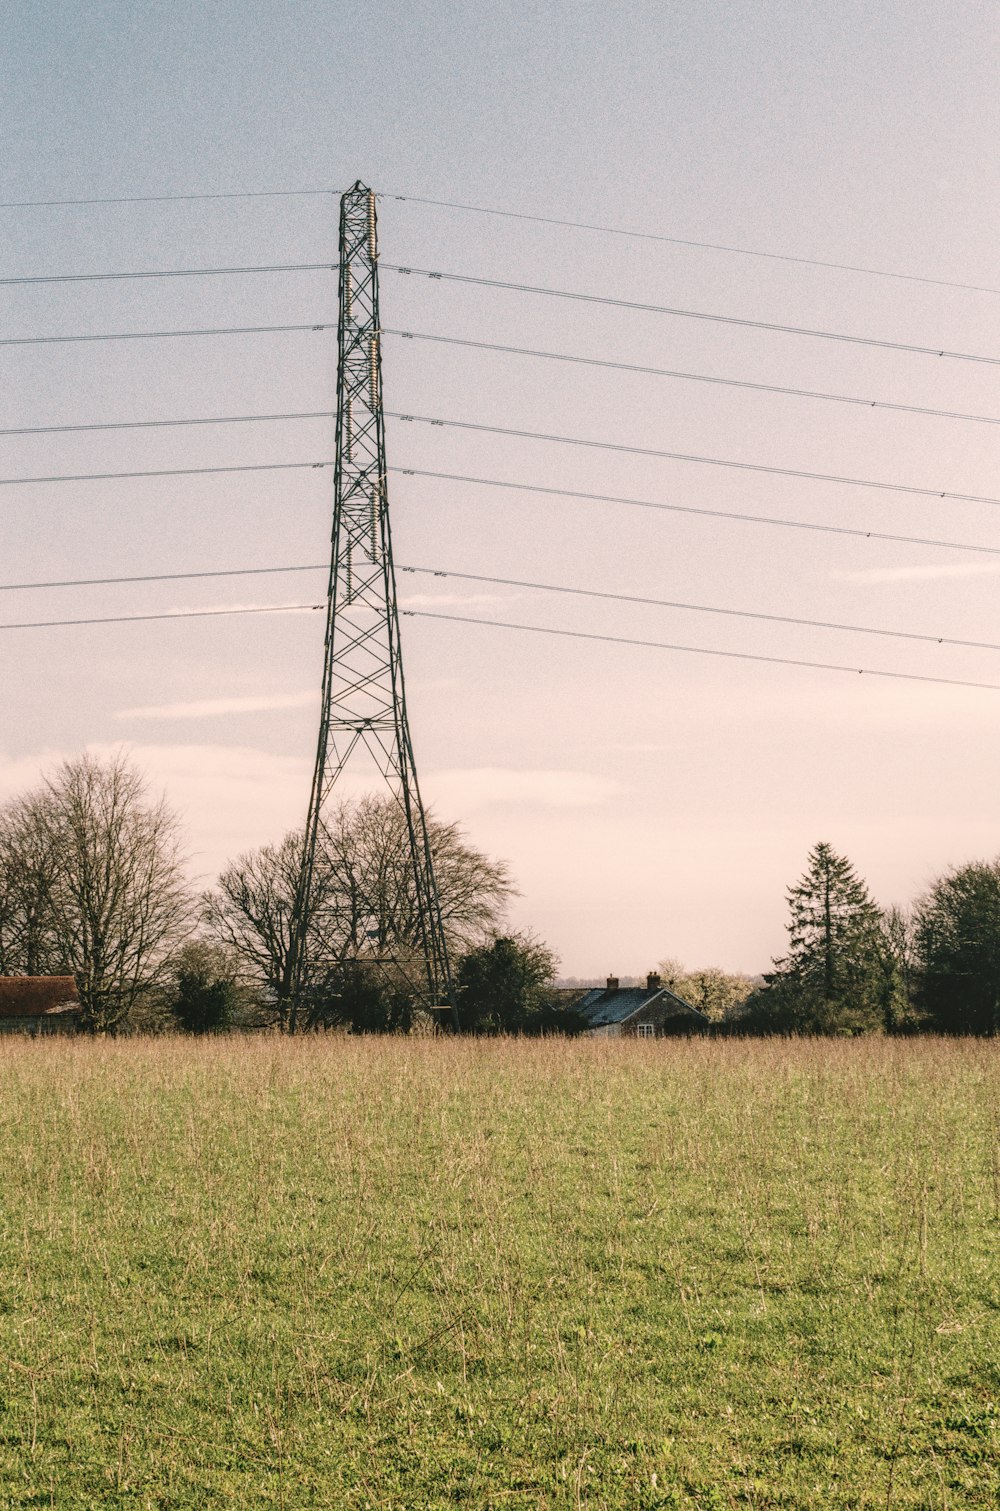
{"x":645,"y":1012}
{"x":38,"y":1005}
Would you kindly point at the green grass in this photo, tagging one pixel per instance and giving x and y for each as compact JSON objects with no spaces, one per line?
{"x":412,"y":1273}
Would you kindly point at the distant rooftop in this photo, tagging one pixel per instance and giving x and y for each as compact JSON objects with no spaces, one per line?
{"x":37,"y":996}
{"x":612,"y":1003}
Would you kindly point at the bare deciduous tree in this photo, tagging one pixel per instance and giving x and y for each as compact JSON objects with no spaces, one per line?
{"x":27,"y":943}
{"x":363,"y":901}
{"x":367,"y":878}
{"x":97,"y":869}
{"x":253,"y":911}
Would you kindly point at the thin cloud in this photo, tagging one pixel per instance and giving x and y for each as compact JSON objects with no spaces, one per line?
{"x":231,"y":798}
{"x":876,"y":575}
{"x":500,"y":786}
{"x":20,"y":773}
{"x":212,"y":708}
{"x":641,"y":747}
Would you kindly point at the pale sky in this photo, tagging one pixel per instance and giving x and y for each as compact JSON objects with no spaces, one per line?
{"x":649,"y":802}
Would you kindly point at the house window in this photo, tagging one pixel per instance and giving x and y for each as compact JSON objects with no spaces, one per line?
{"x":646,"y":1030}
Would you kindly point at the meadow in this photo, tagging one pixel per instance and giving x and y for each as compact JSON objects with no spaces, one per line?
{"x":391,"y":1273}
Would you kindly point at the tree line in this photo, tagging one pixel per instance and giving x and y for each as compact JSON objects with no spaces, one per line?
{"x":93,"y":885}
{"x":853,"y":968}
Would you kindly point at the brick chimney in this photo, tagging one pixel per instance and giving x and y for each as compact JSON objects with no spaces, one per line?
{"x":653,"y":982}
{"x":612,"y":985}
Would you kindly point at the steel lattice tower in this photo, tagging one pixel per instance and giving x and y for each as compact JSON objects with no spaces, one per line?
{"x":364,"y":703}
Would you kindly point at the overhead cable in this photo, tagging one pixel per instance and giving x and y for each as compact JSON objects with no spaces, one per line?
{"x":685,"y":241}
{"x":271,"y":608}
{"x":696,"y":509}
{"x":538,"y":629}
{"x":517,"y":351}
{"x":701,"y":650}
{"x":548,"y":220}
{"x":707,"y":461}
{"x":220,"y":330}
{"x":704,"y":608}
{"x":228,"y":419}
{"x":100,"y":477}
{"x":537,"y":488}
{"x":664,"y":372}
{"x":277,"y":267}
{"x":682,"y":314}
{"x":521,"y":288}
{"x":517,"y":582}
{"x":103,"y":582}
{"x":530,"y":435}
{"x":156,"y":199}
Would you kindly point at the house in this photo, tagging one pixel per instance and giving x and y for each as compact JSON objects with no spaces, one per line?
{"x":38,"y":1005}
{"x":644,"y":1012}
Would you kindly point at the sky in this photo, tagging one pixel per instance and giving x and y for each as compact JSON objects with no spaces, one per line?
{"x":650,"y":802}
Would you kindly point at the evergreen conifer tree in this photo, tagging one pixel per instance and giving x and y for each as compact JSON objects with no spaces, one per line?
{"x":833,"y":978}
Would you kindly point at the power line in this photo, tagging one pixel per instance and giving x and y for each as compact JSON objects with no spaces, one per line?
{"x":708,"y":461}
{"x":531,"y":435}
{"x":516,"y":582}
{"x":662,"y":309}
{"x":277,"y":267}
{"x":696,"y":509}
{"x":221,"y":330}
{"x":684,"y":241}
{"x":98,"y":582}
{"x":701,"y":650}
{"x":663,"y":372}
{"x":273,"y":608}
{"x":537,"y":488}
{"x":538,"y":629}
{"x":517,"y":351}
{"x":155,"y":199}
{"x":231,"y":419}
{"x":98,"y":477}
{"x":703,"y":608}
{"x":548,"y":220}
{"x":521,"y":288}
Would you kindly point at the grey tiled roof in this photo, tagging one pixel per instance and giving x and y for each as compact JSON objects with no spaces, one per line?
{"x":601,"y":1007}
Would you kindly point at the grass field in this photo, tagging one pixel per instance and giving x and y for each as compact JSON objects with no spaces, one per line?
{"x":408,"y":1273}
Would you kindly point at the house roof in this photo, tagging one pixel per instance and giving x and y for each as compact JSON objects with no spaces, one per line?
{"x":602,"y":1006}
{"x":37,"y":996}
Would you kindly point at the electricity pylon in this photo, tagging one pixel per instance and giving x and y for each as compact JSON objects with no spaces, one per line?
{"x":364,"y":704}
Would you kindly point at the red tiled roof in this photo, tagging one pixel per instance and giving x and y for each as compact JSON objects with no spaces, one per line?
{"x":37,"y":996}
